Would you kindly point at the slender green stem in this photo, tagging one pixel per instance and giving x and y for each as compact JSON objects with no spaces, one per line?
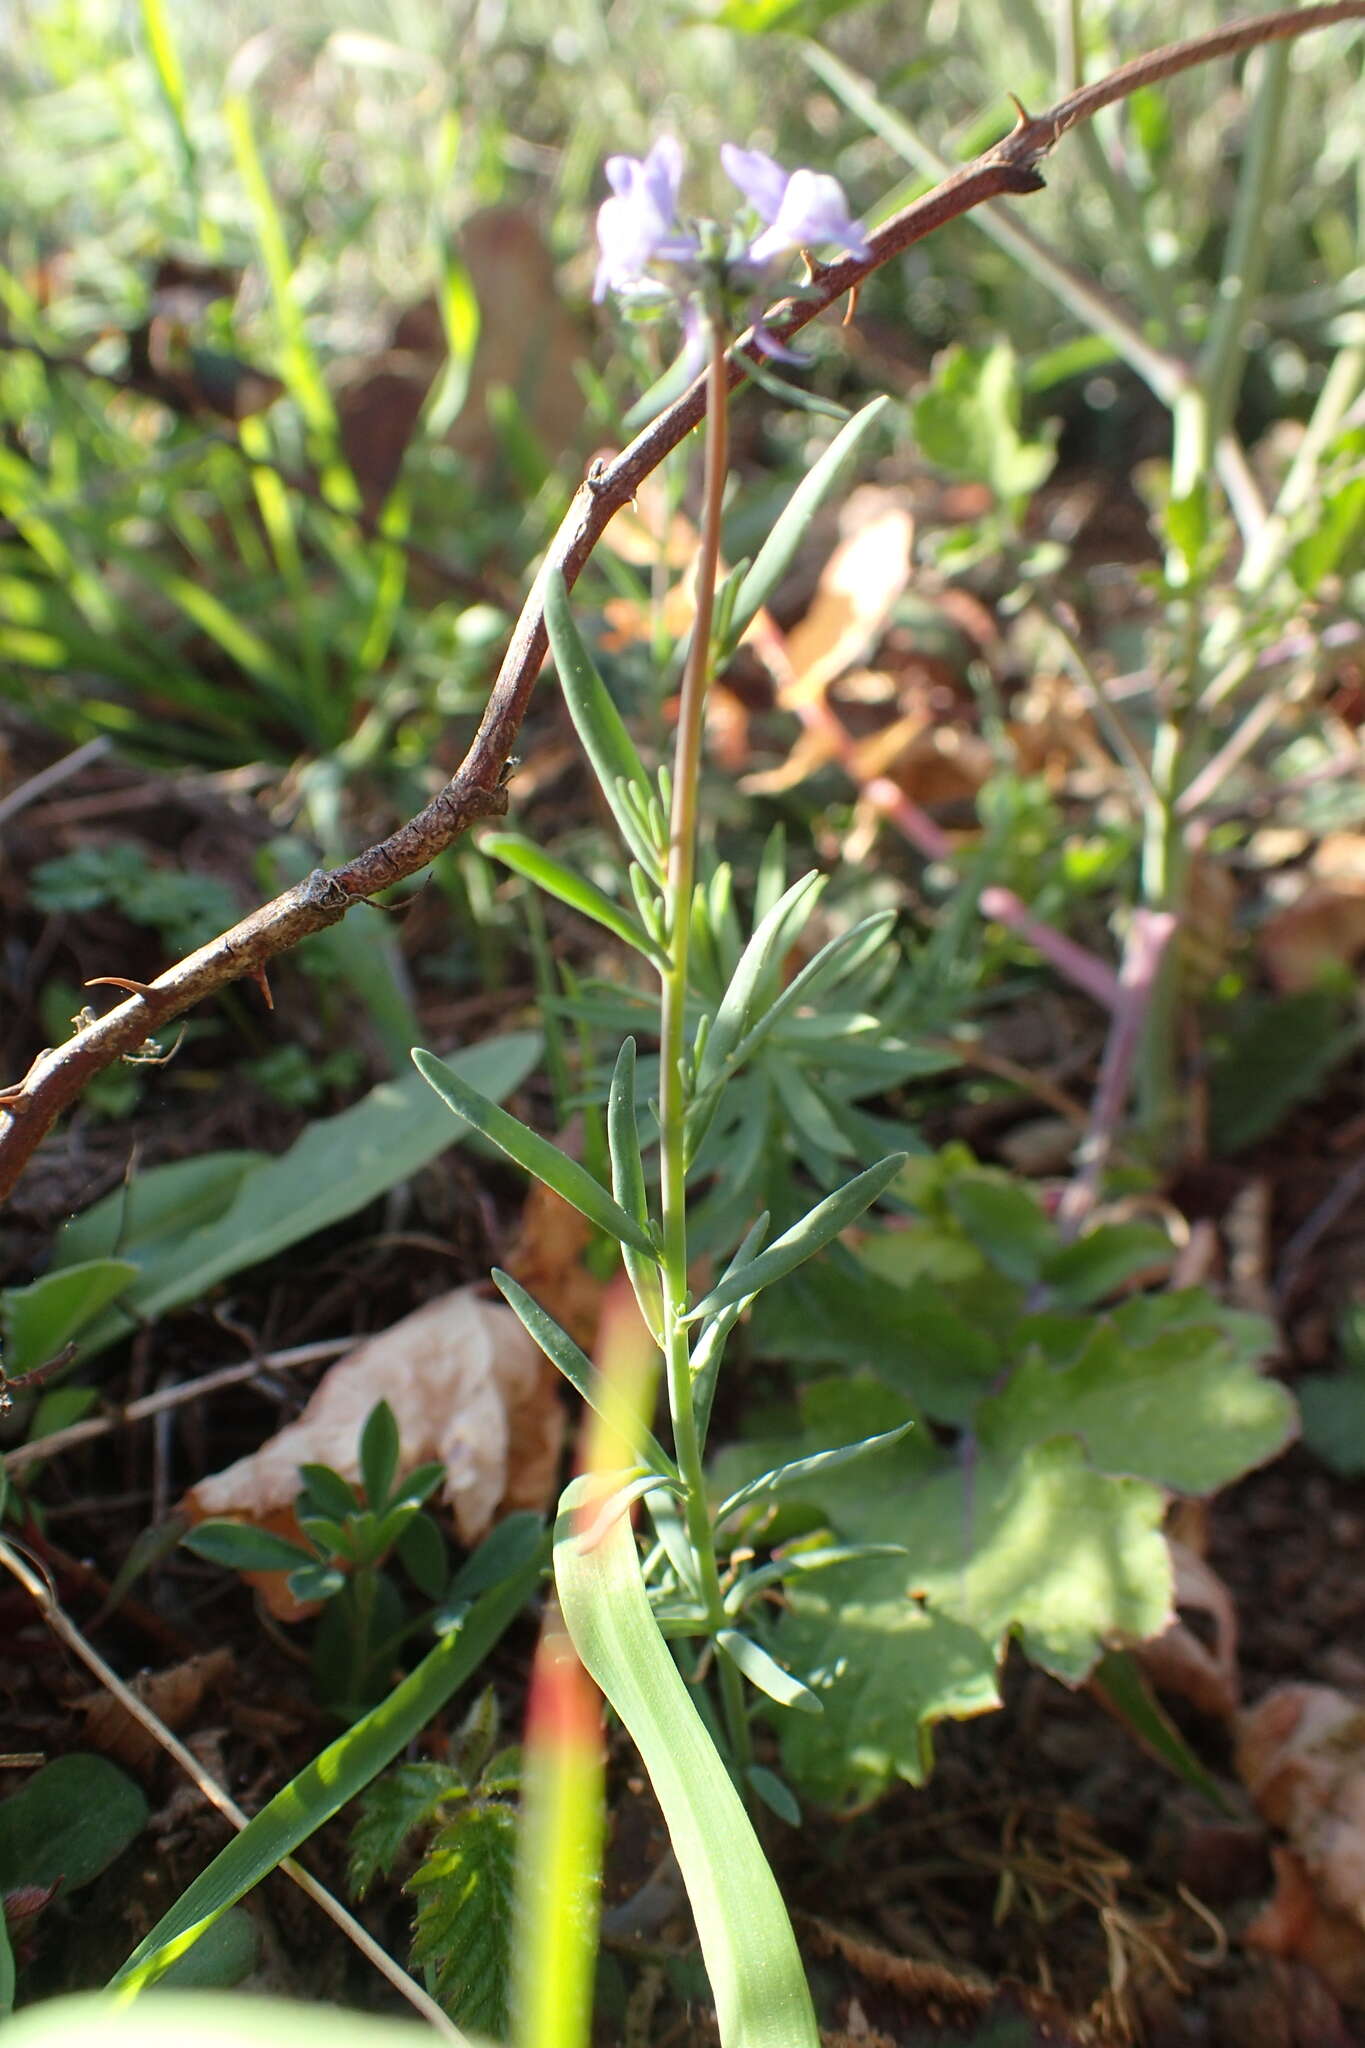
{"x":673,"y":1079}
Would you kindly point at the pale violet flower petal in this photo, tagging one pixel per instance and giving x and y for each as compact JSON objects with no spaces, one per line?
{"x":638,"y":225}
{"x":762,"y":181}
{"x":813,"y":212}
{"x":661,"y":175}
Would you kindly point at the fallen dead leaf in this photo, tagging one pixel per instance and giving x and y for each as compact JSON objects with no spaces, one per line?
{"x":174,"y":1696}
{"x":1296,"y":1925}
{"x":1178,"y":1660}
{"x":1301,"y":1754}
{"x":1323,"y":930}
{"x":548,"y":1258}
{"x":467,"y":1387}
{"x":853,"y":600}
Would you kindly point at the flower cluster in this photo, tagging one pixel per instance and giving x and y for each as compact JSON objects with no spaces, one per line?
{"x":650,"y":256}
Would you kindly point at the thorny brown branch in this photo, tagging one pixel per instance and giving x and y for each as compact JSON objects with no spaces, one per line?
{"x":59,"y":1075}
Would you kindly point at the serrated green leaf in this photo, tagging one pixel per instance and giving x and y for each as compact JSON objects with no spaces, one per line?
{"x":1181,"y":1410}
{"x":751,"y":1958}
{"x":598,"y":723}
{"x":885,"y":1670}
{"x":1042,"y":1546}
{"x":1004,"y":1221}
{"x":788,"y":530}
{"x":535,"y":1154}
{"x":391,"y":1811}
{"x":791,"y":1564}
{"x":463,"y":1935}
{"x":582,"y":1375}
{"x":343,"y":1769}
{"x":557,"y":879}
{"x":1095,"y":1265}
{"x":814,"y":1231}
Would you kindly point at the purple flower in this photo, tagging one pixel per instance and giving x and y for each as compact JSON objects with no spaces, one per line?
{"x":802,"y":210}
{"x":638,"y":226}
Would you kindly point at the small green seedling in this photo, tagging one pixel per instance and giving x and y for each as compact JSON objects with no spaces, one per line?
{"x":349,"y":1535}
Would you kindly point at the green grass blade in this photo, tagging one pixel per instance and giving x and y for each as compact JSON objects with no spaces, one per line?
{"x":804,"y":1239}
{"x":325,"y":1785}
{"x":536,"y":1154}
{"x":757,"y":1980}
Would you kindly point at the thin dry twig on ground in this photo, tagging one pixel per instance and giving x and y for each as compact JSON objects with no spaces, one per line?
{"x":1010,"y":169}
{"x":67,"y":1633}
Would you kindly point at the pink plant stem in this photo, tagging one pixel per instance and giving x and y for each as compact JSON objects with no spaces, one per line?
{"x":1149,"y":936}
{"x":1085,"y":970}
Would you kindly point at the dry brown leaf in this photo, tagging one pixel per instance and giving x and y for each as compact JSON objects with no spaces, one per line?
{"x":1177,"y":1660}
{"x":1295,"y":1924}
{"x":548,"y":1259}
{"x":174,"y":1696}
{"x":1301,"y":1754}
{"x":645,"y":531}
{"x":467,"y":1387}
{"x":1324,"y":929}
{"x":852,"y":604}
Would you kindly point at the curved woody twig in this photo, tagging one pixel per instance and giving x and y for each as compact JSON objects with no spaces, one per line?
{"x":475,"y":791}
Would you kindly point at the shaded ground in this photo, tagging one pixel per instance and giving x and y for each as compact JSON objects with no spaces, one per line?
{"x":1050,"y":1884}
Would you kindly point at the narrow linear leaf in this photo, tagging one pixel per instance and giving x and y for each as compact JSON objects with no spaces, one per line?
{"x":774,"y":934}
{"x":751,"y":1957}
{"x":582,"y":1375}
{"x":628,"y":1181}
{"x":775,"y":556}
{"x":536,"y":1154}
{"x":838,"y":958}
{"x":1123,"y":1685}
{"x":597,"y":722}
{"x":802,"y":1561}
{"x":766,"y":1674}
{"x":710,"y":1345}
{"x":782,"y":1476}
{"x":532,"y":862}
{"x":775,"y":1793}
{"x":804,"y":1239}
{"x":323,"y":1787}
